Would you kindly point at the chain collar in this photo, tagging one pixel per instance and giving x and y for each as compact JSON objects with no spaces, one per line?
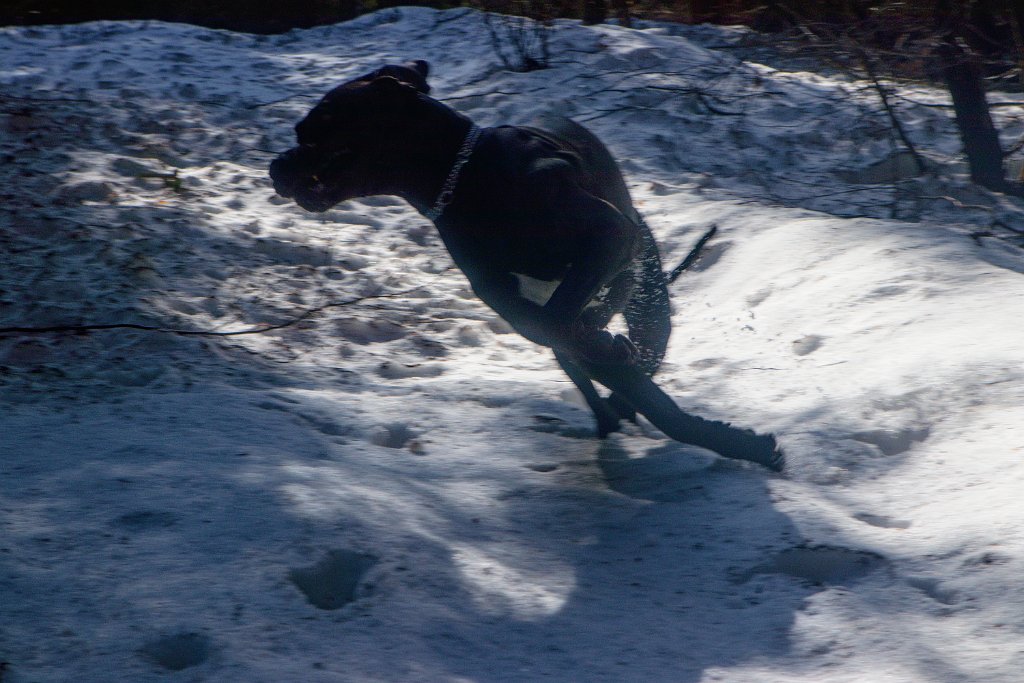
{"x":444,"y":198}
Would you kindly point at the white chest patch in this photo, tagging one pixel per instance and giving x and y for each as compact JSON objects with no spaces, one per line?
{"x":540,"y":291}
{"x":537,"y":291}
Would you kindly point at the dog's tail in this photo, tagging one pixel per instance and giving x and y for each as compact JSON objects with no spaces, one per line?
{"x":694,"y":254}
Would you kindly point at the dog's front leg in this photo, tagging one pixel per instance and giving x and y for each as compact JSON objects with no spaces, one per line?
{"x":606,"y":245}
{"x":599,"y":244}
{"x":501,"y":292}
{"x":606,"y":416}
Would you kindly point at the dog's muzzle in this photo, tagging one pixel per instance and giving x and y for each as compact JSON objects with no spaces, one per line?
{"x":285,"y":172}
{"x":300,"y":174}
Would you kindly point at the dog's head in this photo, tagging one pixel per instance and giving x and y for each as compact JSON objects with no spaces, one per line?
{"x":348,"y":141}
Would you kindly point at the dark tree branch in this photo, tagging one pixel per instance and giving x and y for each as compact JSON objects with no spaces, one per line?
{"x":305,"y":315}
{"x":890,"y":110}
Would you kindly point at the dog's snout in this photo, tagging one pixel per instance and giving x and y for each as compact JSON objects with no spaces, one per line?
{"x":296,"y":175}
{"x":282,"y":173}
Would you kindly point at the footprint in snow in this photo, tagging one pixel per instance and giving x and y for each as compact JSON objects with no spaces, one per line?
{"x":144,"y":520}
{"x":935,"y":589}
{"x":807,"y":345}
{"x":178,"y":651}
{"x":892,"y":441}
{"x":882,"y":521}
{"x":335,"y":580}
{"x":389,"y":369}
{"x":293,"y":253}
{"x":369,"y":330}
{"x":822,"y":564}
{"x":393,"y":435}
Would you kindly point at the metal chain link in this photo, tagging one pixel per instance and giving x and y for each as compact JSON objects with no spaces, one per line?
{"x":444,"y":198}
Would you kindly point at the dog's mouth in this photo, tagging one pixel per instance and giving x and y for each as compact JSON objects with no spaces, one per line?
{"x":314,"y":181}
{"x":314,"y":196}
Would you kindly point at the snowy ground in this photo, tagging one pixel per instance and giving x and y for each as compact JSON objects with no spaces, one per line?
{"x":399,"y":489}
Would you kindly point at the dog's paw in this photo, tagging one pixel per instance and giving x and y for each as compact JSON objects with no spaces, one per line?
{"x":601,"y":347}
{"x":624,"y":351}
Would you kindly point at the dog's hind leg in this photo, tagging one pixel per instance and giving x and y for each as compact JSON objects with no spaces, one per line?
{"x":598,"y":315}
{"x":662,"y":411}
{"x":648,"y":316}
{"x":607,"y":418}
{"x":649,"y":311}
{"x":641,"y":293}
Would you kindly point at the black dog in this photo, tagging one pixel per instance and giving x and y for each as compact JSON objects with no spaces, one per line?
{"x":537,"y":217}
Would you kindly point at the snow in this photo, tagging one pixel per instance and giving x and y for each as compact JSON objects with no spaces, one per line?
{"x":400,"y":489}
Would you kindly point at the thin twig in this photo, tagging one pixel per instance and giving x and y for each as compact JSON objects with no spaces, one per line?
{"x":897,"y":125}
{"x":257,"y":105}
{"x":82,"y":329}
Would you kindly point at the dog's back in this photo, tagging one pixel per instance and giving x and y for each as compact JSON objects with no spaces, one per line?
{"x":600,"y":173}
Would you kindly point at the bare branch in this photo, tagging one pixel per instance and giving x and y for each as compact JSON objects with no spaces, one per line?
{"x":305,"y":315}
{"x":890,"y":111}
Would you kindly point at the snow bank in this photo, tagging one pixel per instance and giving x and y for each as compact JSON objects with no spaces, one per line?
{"x":400,"y":489}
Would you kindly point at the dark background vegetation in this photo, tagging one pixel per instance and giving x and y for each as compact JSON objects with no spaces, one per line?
{"x":968,"y":45}
{"x":272,"y":16}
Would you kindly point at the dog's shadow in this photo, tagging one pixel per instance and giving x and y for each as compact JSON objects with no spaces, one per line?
{"x":669,"y":473}
{"x":665,"y":546}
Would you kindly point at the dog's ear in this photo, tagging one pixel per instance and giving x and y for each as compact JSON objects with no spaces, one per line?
{"x":415,"y":74}
{"x":393,"y":90}
{"x":420,"y":67}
